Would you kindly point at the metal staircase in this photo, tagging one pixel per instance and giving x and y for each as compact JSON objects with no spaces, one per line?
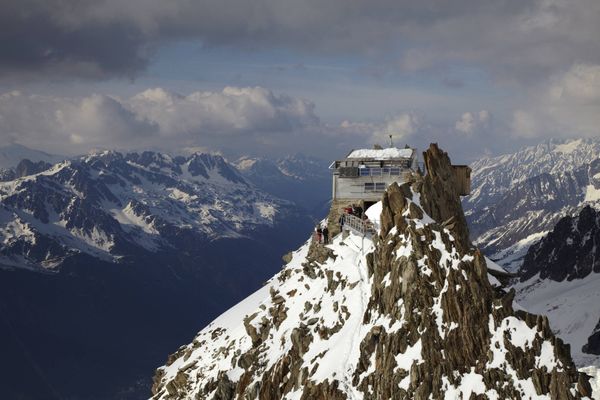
{"x":360,"y":226}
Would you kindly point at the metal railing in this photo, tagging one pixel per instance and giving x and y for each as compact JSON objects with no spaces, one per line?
{"x":371,"y":171}
{"x":358,"y":225}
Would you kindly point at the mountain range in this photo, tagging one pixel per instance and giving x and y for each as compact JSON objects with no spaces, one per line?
{"x":517,"y":198}
{"x":112,"y":206}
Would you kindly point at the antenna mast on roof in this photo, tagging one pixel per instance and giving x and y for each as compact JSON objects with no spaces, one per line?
{"x":391,"y":141}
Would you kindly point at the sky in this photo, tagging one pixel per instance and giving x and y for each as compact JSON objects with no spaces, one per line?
{"x":275,"y":77}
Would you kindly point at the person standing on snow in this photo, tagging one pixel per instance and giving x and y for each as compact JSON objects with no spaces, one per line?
{"x":325,"y":235}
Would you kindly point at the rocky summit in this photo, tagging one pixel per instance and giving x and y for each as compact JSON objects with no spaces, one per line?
{"x":406,"y":313}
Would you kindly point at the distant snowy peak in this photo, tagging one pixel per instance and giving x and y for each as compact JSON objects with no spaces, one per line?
{"x":304,"y":167}
{"x":197,"y":166}
{"x":296,"y":167}
{"x":254,"y":167}
{"x":492,"y":176}
{"x":516,"y":198}
{"x":108,"y":204}
{"x":554,"y":155}
{"x":12,"y":154}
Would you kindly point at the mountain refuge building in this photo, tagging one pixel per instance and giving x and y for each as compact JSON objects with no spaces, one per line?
{"x":364,"y":174}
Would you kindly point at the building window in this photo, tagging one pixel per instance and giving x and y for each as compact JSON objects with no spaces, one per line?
{"x":385,"y":171}
{"x":375,"y":187}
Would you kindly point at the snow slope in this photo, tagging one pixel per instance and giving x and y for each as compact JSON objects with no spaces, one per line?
{"x":340,"y":353}
{"x":573,"y":308}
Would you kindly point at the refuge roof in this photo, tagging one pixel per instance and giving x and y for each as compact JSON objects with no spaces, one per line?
{"x":381,"y":154}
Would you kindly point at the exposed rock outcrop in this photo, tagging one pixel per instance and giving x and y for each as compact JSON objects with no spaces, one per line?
{"x":570,"y":251}
{"x":407,"y":314}
{"x":593,"y":344}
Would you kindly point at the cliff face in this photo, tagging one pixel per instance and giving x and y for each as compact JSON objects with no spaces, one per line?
{"x":409,"y":313}
{"x":560,"y":277}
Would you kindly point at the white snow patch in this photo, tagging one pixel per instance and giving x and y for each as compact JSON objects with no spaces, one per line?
{"x":546,"y":357}
{"x":266,"y":210}
{"x":382,"y":154}
{"x":591,"y":193}
{"x":128,"y":219}
{"x":412,"y":354}
{"x":567,"y":148}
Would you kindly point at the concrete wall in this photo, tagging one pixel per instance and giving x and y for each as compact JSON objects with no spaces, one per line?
{"x":353,"y":188}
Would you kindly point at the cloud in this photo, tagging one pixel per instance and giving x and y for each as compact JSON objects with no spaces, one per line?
{"x":400,"y":127}
{"x":99,"y":120}
{"x":99,"y":39}
{"x":230,"y":112}
{"x":453,"y":83}
{"x":524,"y":124}
{"x":580,"y":84}
{"x":153,"y":118}
{"x":470,"y":122}
{"x":565,"y":105}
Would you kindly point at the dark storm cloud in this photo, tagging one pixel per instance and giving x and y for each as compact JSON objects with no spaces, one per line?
{"x":115,"y":38}
{"x":33,"y":39}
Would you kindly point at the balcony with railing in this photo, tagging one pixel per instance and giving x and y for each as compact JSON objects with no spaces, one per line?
{"x":358,"y":225}
{"x":385,"y":171}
